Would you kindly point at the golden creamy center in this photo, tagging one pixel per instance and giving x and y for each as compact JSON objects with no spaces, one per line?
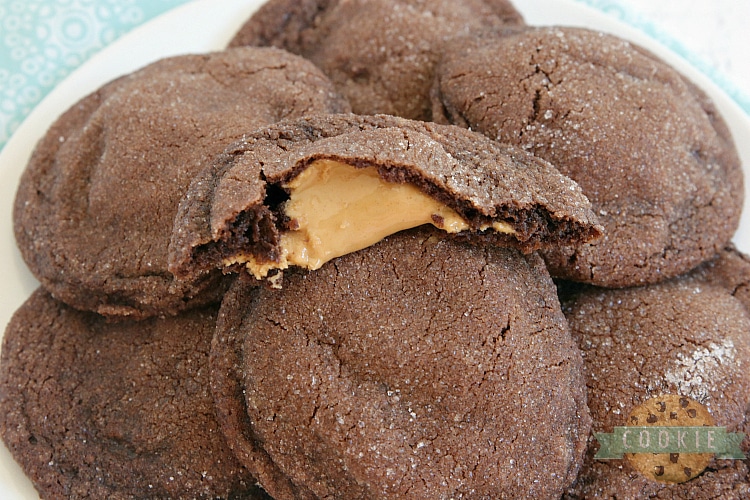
{"x":337,"y":209}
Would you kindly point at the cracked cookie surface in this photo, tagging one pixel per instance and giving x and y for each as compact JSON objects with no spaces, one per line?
{"x":94,"y":209}
{"x":420,"y":367}
{"x":688,"y":336}
{"x":648,"y":148}
{"x":380,"y":54}
{"x":93,"y":409}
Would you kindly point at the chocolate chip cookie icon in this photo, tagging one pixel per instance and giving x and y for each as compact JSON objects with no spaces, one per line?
{"x":670,"y":439}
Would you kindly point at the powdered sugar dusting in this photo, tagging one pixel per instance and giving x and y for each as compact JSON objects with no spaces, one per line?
{"x":698,"y":374}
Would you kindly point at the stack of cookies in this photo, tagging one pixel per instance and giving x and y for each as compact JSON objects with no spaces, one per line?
{"x":378,"y":249}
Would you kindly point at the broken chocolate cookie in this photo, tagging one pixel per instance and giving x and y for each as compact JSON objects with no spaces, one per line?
{"x":303,"y":192}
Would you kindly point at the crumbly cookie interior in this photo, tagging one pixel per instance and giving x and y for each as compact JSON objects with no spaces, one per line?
{"x":335,"y":208}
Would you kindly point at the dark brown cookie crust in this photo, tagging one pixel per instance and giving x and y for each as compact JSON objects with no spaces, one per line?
{"x":729,"y":269}
{"x":687,"y":336}
{"x":92,"y":409}
{"x":380,"y":54}
{"x":420,"y":367}
{"x":648,"y":148}
{"x":227,"y":205}
{"x":94,"y":210}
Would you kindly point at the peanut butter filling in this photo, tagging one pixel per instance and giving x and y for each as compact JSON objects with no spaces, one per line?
{"x":337,"y":209}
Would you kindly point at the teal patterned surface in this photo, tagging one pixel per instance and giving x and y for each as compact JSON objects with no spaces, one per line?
{"x":42,"y":41}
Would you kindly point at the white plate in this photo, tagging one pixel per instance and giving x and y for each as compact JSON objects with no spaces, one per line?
{"x":205,"y":25}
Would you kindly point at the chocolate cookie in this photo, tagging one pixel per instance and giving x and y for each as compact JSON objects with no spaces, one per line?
{"x":380,"y":54}
{"x":94,"y":210}
{"x":305,"y":191}
{"x":92,"y":409}
{"x":730,"y":269}
{"x":688,"y":338}
{"x":648,"y":148}
{"x":420,"y":367}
